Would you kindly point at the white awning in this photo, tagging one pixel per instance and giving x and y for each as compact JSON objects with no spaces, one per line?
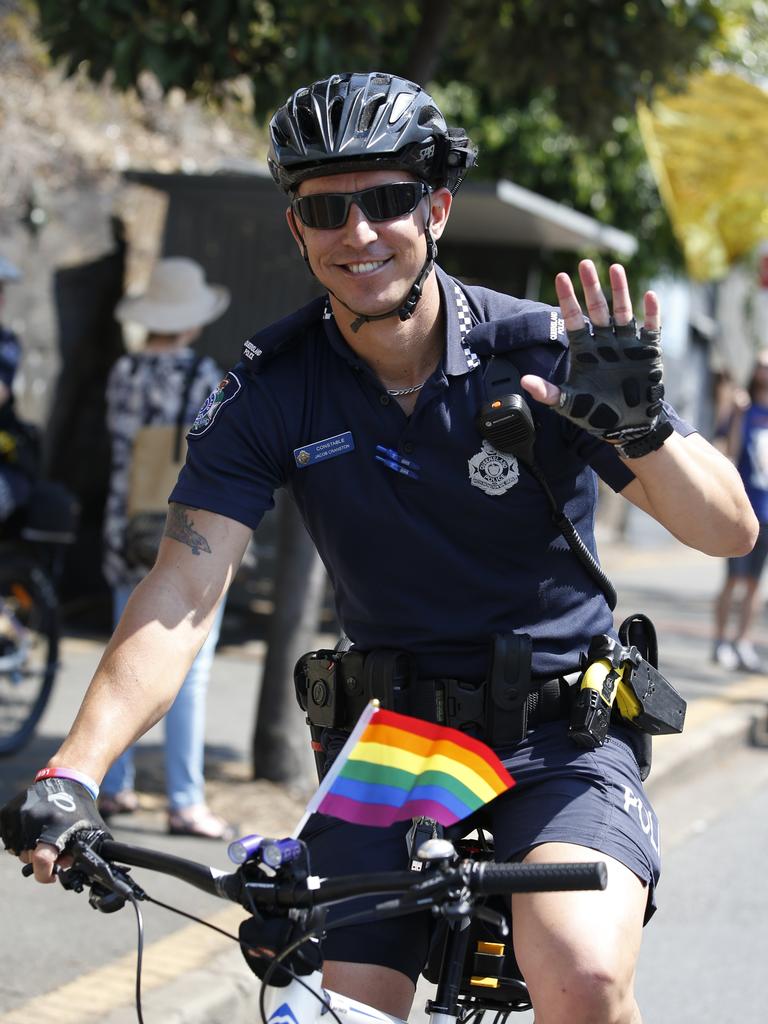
{"x":484,"y":213}
{"x":503,"y":213}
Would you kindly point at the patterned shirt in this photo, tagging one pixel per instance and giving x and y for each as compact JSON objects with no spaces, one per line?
{"x":144,"y":389}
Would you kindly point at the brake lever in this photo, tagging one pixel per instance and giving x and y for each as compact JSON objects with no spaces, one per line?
{"x":110,"y":885}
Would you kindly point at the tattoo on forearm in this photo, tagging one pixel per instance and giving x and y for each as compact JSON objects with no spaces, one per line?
{"x":179,"y":526}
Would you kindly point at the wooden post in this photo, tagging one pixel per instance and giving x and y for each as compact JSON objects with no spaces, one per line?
{"x":281,"y":750}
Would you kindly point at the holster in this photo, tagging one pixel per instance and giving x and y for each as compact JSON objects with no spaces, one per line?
{"x":333,"y":687}
{"x":506,"y":717}
{"x":661,"y":707}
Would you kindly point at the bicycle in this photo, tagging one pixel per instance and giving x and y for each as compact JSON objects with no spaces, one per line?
{"x":31,"y":554}
{"x":273,"y":882}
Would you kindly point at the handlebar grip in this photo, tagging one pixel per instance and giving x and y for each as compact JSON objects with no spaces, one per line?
{"x":493,"y":878}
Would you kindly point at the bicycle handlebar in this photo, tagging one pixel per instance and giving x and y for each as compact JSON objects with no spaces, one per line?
{"x":446,"y":886}
{"x":492,"y":877}
{"x":480,"y":877}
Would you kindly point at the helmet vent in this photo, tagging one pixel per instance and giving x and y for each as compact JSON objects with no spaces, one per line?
{"x":369,"y":112}
{"x":428,"y":114}
{"x":400,"y":105}
{"x":307,"y":125}
{"x":280,"y":137}
{"x":335,"y":110}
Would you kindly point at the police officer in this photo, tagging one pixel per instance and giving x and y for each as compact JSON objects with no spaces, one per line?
{"x":364,"y":405}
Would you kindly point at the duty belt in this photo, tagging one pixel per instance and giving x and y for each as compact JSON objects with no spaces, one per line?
{"x":464,"y":705}
{"x":333,"y":688}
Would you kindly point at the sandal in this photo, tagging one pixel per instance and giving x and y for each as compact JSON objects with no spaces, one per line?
{"x":124,"y":802}
{"x":199,"y":820}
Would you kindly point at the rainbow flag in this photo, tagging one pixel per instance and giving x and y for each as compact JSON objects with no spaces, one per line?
{"x":394,"y":767}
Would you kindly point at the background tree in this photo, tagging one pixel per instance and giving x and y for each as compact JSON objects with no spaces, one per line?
{"x":547,"y":90}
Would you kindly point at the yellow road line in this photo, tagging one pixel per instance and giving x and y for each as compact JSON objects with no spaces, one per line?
{"x":106,"y":988}
{"x":702,"y":709}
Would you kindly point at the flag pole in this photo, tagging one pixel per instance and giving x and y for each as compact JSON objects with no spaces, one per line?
{"x":341,"y":759}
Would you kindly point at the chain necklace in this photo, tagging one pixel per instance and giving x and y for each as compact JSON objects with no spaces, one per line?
{"x":397,"y":392}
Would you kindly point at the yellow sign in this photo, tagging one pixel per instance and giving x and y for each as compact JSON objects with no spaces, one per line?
{"x":708,"y":148}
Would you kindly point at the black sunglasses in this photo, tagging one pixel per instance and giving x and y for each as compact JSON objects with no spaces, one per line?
{"x":328,"y":210}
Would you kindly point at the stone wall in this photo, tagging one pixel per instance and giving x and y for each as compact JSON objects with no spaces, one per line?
{"x":65,"y":146}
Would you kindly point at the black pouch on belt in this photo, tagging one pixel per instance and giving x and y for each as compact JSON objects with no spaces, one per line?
{"x":638,"y":631}
{"x":506,"y":708}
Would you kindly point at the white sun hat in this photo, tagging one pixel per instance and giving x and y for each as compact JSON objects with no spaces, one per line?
{"x":177,"y":298}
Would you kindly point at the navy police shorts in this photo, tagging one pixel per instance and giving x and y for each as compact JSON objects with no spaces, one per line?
{"x":563,"y":793}
{"x":752,"y":564}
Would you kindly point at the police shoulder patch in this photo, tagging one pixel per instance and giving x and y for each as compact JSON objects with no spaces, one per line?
{"x":225,"y":391}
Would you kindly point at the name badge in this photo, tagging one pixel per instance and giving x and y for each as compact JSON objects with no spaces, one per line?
{"x":319,"y":451}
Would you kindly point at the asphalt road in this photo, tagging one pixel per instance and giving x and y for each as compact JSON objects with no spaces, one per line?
{"x":703,"y":958}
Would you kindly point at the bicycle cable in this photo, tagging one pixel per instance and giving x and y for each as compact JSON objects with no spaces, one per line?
{"x":278,"y":962}
{"x":362,"y":916}
{"x":139,"y":955}
{"x":221,"y":931}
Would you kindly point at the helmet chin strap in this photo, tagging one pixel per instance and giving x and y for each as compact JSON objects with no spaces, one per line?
{"x":406,"y":310}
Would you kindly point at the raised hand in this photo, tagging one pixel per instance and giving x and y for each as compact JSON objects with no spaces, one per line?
{"x":614,"y":385}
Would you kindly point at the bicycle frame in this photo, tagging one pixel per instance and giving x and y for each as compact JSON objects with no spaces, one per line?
{"x":451,"y":885}
{"x":309,"y":1002}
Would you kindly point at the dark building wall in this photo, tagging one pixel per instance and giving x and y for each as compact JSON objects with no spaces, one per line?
{"x":234,"y":226}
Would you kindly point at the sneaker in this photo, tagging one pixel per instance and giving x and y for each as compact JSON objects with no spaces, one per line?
{"x":748,"y":658}
{"x":725,"y":655}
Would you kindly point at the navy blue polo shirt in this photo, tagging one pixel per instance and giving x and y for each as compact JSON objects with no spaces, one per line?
{"x":455,"y":545}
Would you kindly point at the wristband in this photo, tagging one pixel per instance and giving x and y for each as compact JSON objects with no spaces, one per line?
{"x":648,"y":443}
{"x":73,"y":775}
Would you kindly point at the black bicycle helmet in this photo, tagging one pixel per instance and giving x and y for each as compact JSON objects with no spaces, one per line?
{"x":369,"y":121}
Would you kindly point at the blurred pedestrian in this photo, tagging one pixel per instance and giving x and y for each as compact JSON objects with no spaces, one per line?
{"x":727,"y":396}
{"x":19,"y":449}
{"x":163,"y":384}
{"x":746,"y":444}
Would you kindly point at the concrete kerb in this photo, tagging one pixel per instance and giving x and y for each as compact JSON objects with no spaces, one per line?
{"x":714,"y":727}
{"x":224,"y":992}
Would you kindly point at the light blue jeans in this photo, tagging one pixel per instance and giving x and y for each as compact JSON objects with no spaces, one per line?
{"x":184,"y":726}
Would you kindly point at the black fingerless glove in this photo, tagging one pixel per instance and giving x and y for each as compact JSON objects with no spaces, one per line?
{"x":50,"y":811}
{"x":614,"y":387}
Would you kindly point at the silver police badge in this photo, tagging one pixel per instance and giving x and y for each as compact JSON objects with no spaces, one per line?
{"x":493,"y":472}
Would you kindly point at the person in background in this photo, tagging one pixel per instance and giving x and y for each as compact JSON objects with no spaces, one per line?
{"x":143,"y":389}
{"x":19,"y":449}
{"x":745,"y":442}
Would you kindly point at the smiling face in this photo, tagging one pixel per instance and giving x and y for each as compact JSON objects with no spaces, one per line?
{"x":369,"y":265}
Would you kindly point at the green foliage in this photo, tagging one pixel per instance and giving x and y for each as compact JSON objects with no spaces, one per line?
{"x":596,"y":57}
{"x":547,"y":87}
{"x":609,"y":180}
